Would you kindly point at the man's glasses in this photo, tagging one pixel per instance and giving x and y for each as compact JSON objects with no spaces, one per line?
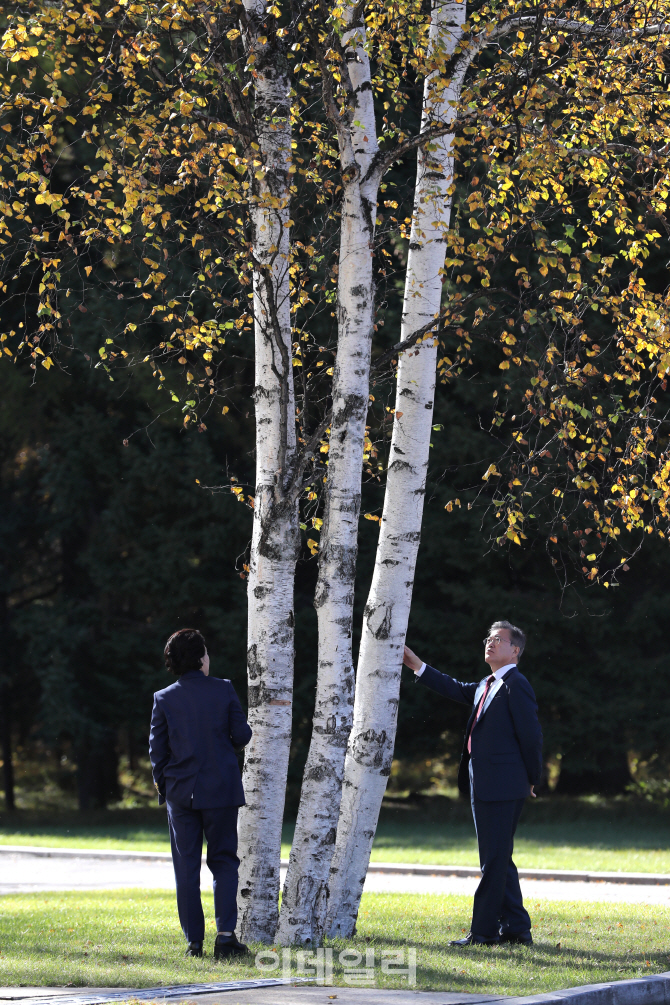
{"x":495,"y":639}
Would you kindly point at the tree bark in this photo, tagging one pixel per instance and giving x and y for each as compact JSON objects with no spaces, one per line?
{"x":276,"y":533}
{"x":370,"y":749}
{"x":304,"y":901}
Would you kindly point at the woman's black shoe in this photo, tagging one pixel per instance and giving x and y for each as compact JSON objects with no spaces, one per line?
{"x":227,"y":945}
{"x":194,"y":949}
{"x":473,"y":940}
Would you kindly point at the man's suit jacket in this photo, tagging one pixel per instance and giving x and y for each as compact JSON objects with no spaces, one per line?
{"x":506,"y":741}
{"x":196,"y":724}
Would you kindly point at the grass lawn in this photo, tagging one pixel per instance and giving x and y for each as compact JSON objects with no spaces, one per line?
{"x":131,"y":938}
{"x":596,"y":835}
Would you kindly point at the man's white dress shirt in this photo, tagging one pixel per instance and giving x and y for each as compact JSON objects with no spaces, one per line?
{"x":493,"y":690}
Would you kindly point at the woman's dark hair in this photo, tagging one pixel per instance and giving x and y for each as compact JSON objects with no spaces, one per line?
{"x":184,"y":651}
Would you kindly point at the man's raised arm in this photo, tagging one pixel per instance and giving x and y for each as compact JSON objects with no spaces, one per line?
{"x":440,"y":682}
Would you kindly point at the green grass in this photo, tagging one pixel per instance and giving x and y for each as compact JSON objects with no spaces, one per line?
{"x":594,"y":835}
{"x":131,"y":938}
{"x":537,"y":846}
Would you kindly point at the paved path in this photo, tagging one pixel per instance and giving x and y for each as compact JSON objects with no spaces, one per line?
{"x":273,"y":996}
{"x":22,"y":873}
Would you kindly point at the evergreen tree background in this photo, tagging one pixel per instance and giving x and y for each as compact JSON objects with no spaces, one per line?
{"x":107,"y":548}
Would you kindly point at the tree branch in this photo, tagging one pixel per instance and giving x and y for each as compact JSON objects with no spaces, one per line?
{"x":427,"y":328}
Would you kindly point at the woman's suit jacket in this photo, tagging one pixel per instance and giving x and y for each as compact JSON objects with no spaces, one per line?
{"x":196,"y":725}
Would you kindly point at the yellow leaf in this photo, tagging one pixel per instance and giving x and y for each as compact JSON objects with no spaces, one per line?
{"x":504,"y":365}
{"x":88,"y":270}
{"x":225,"y":410}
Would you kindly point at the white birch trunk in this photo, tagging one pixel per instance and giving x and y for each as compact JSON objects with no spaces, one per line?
{"x":275,"y":540}
{"x":370,"y":750}
{"x":304,"y":904}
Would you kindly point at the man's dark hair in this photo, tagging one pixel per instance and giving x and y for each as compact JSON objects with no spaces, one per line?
{"x":184,"y":651}
{"x":517,"y":637}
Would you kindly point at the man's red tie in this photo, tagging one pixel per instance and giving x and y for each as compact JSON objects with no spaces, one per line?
{"x":489,"y":681}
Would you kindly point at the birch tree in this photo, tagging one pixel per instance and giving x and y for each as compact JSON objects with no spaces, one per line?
{"x":276,"y":535}
{"x":304,"y":902}
{"x":370,"y":750}
{"x":356,"y":132}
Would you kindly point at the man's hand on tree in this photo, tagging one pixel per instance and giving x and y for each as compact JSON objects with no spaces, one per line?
{"x":411,"y":660}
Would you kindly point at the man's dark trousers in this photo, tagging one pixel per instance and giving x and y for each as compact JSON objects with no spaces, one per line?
{"x":219,"y":826}
{"x":498,"y":895}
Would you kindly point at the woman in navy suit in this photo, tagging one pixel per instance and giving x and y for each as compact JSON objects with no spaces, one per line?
{"x":196,"y":724}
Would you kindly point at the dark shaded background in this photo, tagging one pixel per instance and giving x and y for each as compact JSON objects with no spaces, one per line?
{"x":105,"y":549}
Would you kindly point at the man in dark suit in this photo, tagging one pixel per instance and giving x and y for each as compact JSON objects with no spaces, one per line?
{"x":500,"y":766}
{"x":196,"y":725}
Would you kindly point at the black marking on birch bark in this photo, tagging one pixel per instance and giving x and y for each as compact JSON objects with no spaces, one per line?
{"x":401,"y":466}
{"x":355,"y":405}
{"x":254,"y":667}
{"x":318,"y":772}
{"x":279,"y":539}
{"x":260,"y":695}
{"x":321,"y":593}
{"x":383,"y":629}
{"x":410,"y":535}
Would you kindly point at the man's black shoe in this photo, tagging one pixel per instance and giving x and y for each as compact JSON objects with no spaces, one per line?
{"x":228,"y":945}
{"x":474,"y":940}
{"x":517,"y":939}
{"x":194,"y":949}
